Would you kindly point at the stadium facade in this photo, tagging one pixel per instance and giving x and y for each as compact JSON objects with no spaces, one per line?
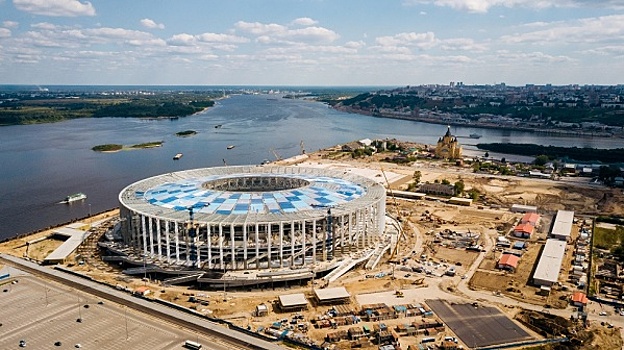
{"x":251,"y":217}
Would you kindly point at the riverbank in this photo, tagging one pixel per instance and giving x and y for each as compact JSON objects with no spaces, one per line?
{"x":464,"y":123}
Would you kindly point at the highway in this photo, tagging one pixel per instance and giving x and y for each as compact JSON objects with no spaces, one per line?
{"x":233,"y":338}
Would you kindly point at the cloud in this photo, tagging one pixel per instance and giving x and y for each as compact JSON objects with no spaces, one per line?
{"x":304,"y":21}
{"x":420,"y":40}
{"x":258,"y":28}
{"x":216,"y":40}
{"x":586,"y":30}
{"x":531,"y":57}
{"x":56,"y":8}
{"x":5,"y":33}
{"x":44,"y":26}
{"x":482,"y":6}
{"x":462,"y":44}
{"x":10,"y":24}
{"x":148,"y":23}
{"x":277,"y":33}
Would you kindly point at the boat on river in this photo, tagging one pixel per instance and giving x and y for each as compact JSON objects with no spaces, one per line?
{"x":177,"y":156}
{"x":475,"y":136}
{"x":75,"y":197}
{"x":230,"y":146}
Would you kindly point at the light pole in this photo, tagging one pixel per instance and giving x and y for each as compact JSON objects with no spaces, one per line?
{"x":126,"y":318}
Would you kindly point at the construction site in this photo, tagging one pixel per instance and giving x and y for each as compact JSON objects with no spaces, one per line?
{"x":436,"y":250}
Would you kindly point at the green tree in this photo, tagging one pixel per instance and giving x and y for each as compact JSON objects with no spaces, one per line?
{"x":459,"y":187}
{"x":417,"y":176}
{"x":446,"y":182}
{"x":541,"y":160}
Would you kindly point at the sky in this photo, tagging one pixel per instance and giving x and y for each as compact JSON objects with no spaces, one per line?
{"x":311,"y":42}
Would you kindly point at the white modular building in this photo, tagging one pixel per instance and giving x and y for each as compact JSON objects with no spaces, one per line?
{"x":251,"y":217}
{"x":562,"y":225}
{"x":549,"y":265}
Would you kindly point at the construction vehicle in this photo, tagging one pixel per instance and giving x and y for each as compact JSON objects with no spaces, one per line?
{"x":399,"y":294}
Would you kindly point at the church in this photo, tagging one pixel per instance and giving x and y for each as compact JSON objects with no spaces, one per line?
{"x":448,"y":147}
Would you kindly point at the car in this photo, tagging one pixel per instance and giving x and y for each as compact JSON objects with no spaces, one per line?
{"x":22,"y":343}
{"x":407,"y":275}
{"x":602,"y":313}
{"x":58,"y":343}
{"x":78,"y":346}
{"x":622,"y":313}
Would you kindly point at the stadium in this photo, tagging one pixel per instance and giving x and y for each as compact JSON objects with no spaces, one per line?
{"x":264,"y":221}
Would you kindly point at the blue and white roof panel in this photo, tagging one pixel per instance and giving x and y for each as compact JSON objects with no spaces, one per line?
{"x":322,"y":191}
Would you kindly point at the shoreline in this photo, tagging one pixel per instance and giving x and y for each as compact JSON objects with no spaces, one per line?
{"x":559,"y":132}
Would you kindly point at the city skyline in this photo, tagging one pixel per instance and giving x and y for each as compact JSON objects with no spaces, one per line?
{"x":311,"y":42}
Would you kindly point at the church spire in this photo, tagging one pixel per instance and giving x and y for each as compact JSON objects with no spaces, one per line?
{"x":448,"y":131}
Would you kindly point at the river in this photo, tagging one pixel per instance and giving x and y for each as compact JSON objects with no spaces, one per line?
{"x":41,"y":164}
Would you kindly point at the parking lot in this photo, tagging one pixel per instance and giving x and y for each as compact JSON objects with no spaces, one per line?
{"x":44,"y":313}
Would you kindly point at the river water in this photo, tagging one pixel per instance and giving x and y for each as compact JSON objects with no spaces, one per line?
{"x":41,"y":164}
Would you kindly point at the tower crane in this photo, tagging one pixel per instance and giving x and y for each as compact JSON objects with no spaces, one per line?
{"x":277,"y":156}
{"x":398,"y":215}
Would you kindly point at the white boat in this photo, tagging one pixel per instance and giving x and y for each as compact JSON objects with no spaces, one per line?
{"x":177,"y":156}
{"x":75,"y":197}
{"x":230,"y":146}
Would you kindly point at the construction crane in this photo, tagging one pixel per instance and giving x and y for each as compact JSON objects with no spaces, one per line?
{"x":398,"y":214}
{"x":302,"y":147}
{"x":277,"y":156}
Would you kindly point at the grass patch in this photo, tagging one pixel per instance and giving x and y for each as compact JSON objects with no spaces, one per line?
{"x":607,"y":239}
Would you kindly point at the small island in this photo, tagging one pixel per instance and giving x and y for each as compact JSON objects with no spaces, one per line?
{"x":186,"y":133}
{"x":152,"y":144}
{"x":112,"y":147}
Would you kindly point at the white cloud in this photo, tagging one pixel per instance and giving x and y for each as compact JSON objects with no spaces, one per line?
{"x":617,"y":50}
{"x":531,"y":57}
{"x":148,"y":23}
{"x":462,"y":44}
{"x":221,"y":38}
{"x":44,"y":26}
{"x":482,"y":6}
{"x":258,"y":28}
{"x":304,"y":21}
{"x":182,"y":39}
{"x":5,"y":33}
{"x":277,"y":33}
{"x":420,"y":40}
{"x":10,"y":24}
{"x":355,"y":44}
{"x":587,"y":30}
{"x":56,"y":8}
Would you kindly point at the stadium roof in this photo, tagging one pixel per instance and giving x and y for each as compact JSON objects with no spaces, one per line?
{"x":299,"y":193}
{"x":329,"y":294}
